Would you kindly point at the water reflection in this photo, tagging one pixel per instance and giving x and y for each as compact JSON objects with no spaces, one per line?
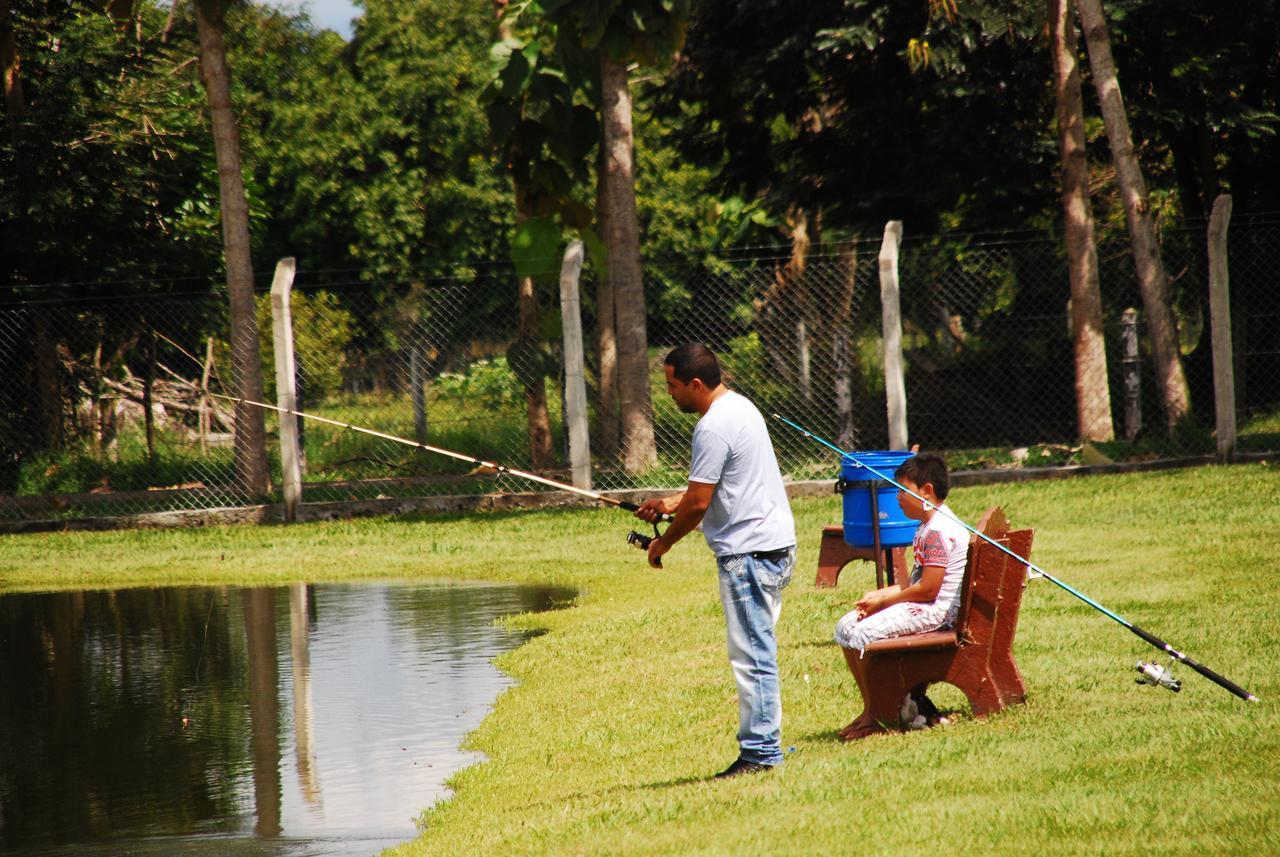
{"x":302,"y":720}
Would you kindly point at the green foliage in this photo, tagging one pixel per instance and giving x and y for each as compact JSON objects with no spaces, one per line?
{"x":81,"y":470}
{"x":542,"y":102}
{"x":490,"y":382}
{"x":533,"y":249}
{"x":374,"y":152}
{"x":544,"y":132}
{"x":111,"y":157}
{"x":746,"y":363}
{"x":321,"y":327}
{"x":647,"y":31}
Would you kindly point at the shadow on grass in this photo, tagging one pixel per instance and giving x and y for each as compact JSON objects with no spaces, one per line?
{"x":832,"y":736}
{"x":815,"y":643}
{"x":623,"y":789}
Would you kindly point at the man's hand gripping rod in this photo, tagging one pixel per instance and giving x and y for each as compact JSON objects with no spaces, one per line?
{"x":1147,"y":674}
{"x":478,"y":462}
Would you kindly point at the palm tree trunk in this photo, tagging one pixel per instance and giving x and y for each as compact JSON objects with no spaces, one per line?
{"x":1093,"y":396}
{"x":246,"y":360}
{"x":623,"y":241}
{"x":1152,"y":281}
{"x":607,"y":421}
{"x":535,"y":389}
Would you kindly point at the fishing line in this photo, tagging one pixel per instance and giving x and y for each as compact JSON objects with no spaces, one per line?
{"x":1149,"y":673}
{"x":185,"y":709}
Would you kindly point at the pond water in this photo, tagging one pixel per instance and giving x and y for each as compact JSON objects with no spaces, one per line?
{"x":302,"y":720}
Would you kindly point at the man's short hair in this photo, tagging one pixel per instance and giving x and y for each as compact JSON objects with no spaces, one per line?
{"x":694,"y":360}
{"x":926,"y":469}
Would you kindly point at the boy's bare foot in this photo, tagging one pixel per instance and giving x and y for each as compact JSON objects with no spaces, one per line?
{"x":859,"y":723}
{"x":848,"y":734}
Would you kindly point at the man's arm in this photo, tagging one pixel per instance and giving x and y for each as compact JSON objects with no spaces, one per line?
{"x":690,"y":508}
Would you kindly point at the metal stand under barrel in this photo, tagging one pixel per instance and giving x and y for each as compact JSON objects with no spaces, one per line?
{"x":881,"y":559}
{"x":882,"y":556}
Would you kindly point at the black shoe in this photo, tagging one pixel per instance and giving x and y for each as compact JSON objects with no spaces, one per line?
{"x":742,"y":766}
{"x":925,"y":705}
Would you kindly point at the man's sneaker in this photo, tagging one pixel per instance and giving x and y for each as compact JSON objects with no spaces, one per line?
{"x":742,"y":766}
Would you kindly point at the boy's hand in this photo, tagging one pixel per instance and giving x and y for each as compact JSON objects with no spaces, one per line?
{"x":870,"y":603}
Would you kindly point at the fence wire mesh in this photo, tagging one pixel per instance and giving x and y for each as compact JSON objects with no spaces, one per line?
{"x":108,"y":409}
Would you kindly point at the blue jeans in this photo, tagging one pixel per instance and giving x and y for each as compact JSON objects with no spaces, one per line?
{"x":751,"y":594}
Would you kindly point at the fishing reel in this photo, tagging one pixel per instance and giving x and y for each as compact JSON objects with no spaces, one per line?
{"x":1150,"y":672}
{"x":642,"y":541}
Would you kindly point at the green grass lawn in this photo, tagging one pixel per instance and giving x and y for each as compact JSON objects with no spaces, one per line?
{"x":627,"y":705}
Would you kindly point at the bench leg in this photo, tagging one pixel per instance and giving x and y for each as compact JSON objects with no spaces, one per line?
{"x":833,"y":555}
{"x":993,"y":692}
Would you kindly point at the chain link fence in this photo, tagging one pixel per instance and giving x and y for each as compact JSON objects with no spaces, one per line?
{"x":108,"y":411}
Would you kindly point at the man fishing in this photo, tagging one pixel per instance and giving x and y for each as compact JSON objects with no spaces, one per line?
{"x":735,"y":491}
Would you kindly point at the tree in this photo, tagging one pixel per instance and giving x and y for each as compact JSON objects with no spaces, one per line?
{"x":215,"y":73}
{"x":608,"y":420}
{"x":592,"y":46}
{"x":639,"y":450}
{"x":1093,"y":396}
{"x":110,"y":159}
{"x":10,"y":66}
{"x":544,"y":139}
{"x":533,"y":380}
{"x":619,"y":33}
{"x":1175,"y":396}
{"x":48,"y":405}
{"x":816,"y":106}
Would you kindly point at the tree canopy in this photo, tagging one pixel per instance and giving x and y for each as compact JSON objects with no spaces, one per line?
{"x":378,"y":154}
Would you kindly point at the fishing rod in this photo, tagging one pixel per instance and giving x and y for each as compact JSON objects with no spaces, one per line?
{"x":1149,"y":673}
{"x":640,"y":540}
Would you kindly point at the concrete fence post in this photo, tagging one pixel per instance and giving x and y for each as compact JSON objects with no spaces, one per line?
{"x":1131,"y":371}
{"x":575,"y":385}
{"x":417,"y":393}
{"x":895,"y":389}
{"x":286,"y":381}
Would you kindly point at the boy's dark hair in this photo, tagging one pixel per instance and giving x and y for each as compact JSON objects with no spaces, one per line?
{"x":925,"y":468}
{"x":694,"y":360}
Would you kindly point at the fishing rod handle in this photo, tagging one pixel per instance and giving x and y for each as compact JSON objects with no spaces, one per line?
{"x":1222,"y":681}
{"x":635,"y":507}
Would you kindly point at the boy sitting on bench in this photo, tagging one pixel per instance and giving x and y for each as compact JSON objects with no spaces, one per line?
{"x":932,"y":598}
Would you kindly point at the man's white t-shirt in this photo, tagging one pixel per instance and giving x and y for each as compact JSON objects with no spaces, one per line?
{"x":732,"y":451}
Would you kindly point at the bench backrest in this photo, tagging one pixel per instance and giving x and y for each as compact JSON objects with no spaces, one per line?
{"x":993,"y":582}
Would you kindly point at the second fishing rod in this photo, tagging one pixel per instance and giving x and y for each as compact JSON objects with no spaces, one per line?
{"x":639,"y":540}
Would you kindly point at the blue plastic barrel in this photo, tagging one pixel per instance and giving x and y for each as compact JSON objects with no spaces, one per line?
{"x":896,"y":529}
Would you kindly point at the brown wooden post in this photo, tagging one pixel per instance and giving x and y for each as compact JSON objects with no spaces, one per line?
{"x":1224,"y":388}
